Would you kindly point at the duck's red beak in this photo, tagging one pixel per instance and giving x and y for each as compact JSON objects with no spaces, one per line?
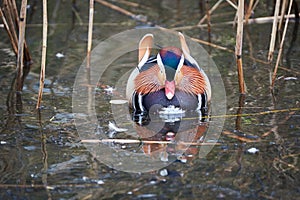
{"x":170,"y":89}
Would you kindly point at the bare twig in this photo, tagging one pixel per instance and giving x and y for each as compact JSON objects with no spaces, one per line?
{"x":121,"y":10}
{"x":238,"y":47}
{"x":229,"y":50}
{"x":128,"y":3}
{"x":259,"y":20}
{"x":243,"y":139}
{"x":210,"y":12}
{"x":77,"y":15}
{"x":274,"y":31}
{"x":44,"y":52}
{"x":281,"y":46}
{"x":20,"y":55}
{"x":212,"y":45}
{"x":208,"y":20}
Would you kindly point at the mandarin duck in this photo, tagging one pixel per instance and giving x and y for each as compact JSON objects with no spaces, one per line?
{"x":171,"y":78}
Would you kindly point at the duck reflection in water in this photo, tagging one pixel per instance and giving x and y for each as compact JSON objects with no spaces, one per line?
{"x":162,"y":90}
{"x":179,"y":138}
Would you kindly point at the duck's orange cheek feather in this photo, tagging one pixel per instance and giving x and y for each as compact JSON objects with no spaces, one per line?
{"x":148,"y":81}
{"x":190,"y":80}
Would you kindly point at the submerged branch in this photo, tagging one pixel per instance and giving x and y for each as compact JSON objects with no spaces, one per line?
{"x":132,"y":141}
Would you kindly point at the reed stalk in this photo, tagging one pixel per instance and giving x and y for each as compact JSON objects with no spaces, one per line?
{"x":274,"y":31}
{"x":282,"y":13}
{"x":9,"y":32}
{"x":44,"y":53}
{"x":88,"y":56}
{"x":90,"y":34}
{"x":20,"y":56}
{"x":281,"y":46}
{"x":232,"y":4}
{"x":249,"y":11}
{"x":15,"y":20}
{"x":239,"y":44}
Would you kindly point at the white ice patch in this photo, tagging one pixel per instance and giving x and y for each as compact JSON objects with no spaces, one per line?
{"x":59,"y":55}
{"x":113,"y":127}
{"x":253,"y":150}
{"x":118,"y":101}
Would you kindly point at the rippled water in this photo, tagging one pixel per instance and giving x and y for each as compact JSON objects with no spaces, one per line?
{"x":42,"y":156}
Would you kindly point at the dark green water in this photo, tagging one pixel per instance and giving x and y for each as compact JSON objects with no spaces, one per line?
{"x":44,"y":159}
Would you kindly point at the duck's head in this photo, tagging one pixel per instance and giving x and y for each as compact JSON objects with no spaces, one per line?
{"x":170,"y":60}
{"x":173,"y":69}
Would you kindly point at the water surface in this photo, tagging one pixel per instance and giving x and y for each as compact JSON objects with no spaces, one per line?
{"x":42,"y":156}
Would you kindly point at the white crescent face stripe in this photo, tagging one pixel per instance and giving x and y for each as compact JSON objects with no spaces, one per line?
{"x":160,"y":63}
{"x":145,"y":58}
{"x":180,"y":64}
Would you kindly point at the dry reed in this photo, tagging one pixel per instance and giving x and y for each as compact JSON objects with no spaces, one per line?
{"x":249,"y":11}
{"x":44,"y":53}
{"x":281,"y":46}
{"x":90,"y":34}
{"x":274,"y":31}
{"x":282,"y":12}
{"x":9,"y":32}
{"x":239,"y":44}
{"x":22,"y":26}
